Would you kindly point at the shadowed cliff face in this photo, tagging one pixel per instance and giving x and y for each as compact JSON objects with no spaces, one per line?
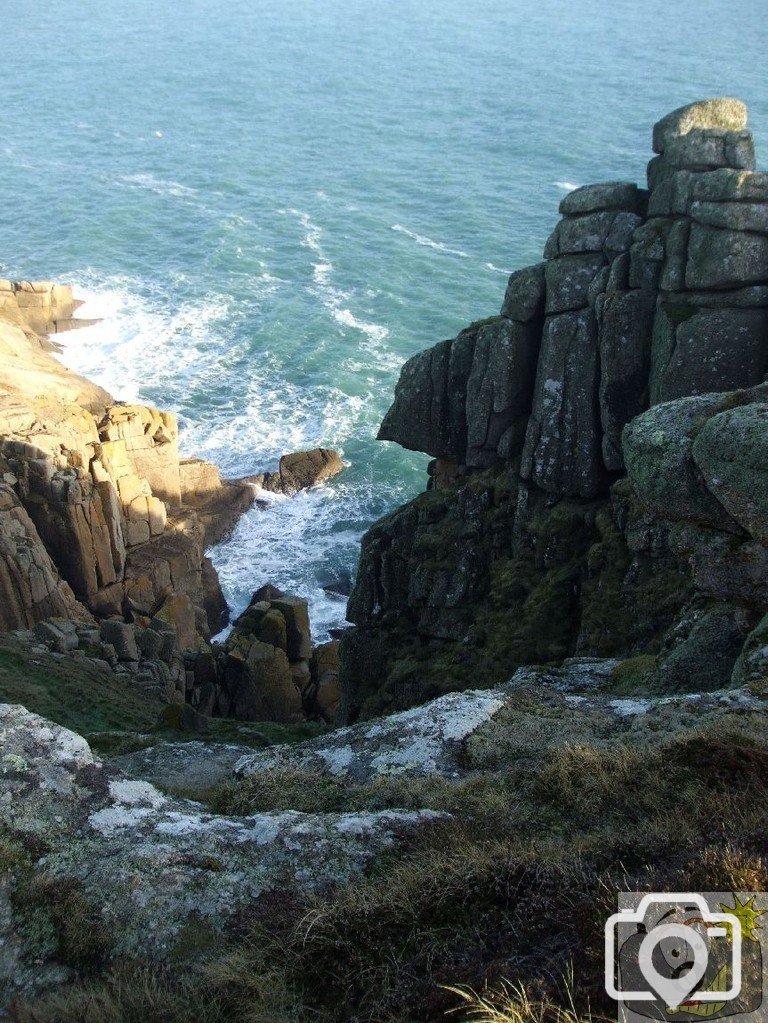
{"x":561,"y":517}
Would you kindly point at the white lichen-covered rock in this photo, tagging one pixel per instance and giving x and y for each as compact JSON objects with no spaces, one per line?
{"x":537,"y":711}
{"x":422,"y":741}
{"x":152,"y":862}
{"x":576,"y":705}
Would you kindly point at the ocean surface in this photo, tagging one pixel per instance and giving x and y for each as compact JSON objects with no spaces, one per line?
{"x":273,"y":204}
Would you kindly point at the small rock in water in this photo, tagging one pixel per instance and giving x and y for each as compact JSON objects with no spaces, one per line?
{"x":300,"y":470}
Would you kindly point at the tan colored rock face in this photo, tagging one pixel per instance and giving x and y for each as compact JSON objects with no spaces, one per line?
{"x":151,"y":440}
{"x":41,"y":306}
{"x":179,"y":612}
{"x":30,"y":585}
{"x":218,"y":503}
{"x":29,"y":371}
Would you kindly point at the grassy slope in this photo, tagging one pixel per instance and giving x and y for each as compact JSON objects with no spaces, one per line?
{"x":114,"y":716}
{"x":514,"y":889}
{"x":76,"y":694}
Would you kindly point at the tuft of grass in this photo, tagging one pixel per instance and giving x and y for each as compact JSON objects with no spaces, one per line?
{"x":57,"y":919}
{"x":510,"y":1003}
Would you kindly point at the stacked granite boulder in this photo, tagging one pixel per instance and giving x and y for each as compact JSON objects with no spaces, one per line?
{"x":270,"y":670}
{"x":644,"y":296}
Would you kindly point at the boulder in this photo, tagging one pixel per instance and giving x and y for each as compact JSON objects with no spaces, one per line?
{"x":731,"y":452}
{"x":301,"y":470}
{"x":658,"y":455}
{"x":168,"y":563}
{"x":58,"y":634}
{"x":122,"y":637}
{"x":703,"y":648}
{"x":723,"y":114}
{"x":610,"y":195}
{"x":524,"y":298}
{"x":267,"y":593}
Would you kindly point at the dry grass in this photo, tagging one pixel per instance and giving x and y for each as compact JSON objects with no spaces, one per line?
{"x":512,"y":1004}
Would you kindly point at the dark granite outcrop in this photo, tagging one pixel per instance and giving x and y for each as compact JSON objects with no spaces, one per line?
{"x":562,"y":517}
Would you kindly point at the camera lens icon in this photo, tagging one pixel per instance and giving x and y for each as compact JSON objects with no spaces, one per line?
{"x":685,"y":953}
{"x":665,"y":951}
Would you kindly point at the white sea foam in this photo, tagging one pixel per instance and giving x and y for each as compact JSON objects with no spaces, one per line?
{"x":157,"y":185}
{"x":141,"y":346}
{"x":429,"y":243}
{"x":373,"y":330}
{"x":566,"y":186}
{"x":333,"y":298}
{"x":135,"y":342}
{"x":498,"y":269}
{"x":300,"y":549}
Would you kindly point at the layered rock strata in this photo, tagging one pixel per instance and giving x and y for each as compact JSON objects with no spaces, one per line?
{"x":548,"y":528}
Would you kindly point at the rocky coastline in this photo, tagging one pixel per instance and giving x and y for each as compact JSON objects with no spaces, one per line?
{"x":553,"y":687}
{"x":105,"y":529}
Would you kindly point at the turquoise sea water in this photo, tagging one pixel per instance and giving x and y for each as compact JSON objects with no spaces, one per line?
{"x":274,"y":204}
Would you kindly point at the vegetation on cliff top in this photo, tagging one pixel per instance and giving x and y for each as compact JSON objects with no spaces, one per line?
{"x":513,"y":891}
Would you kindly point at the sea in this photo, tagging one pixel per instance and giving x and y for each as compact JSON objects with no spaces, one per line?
{"x":271,"y":204}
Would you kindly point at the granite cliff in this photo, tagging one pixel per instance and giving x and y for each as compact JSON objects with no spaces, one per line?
{"x":596,"y":486}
